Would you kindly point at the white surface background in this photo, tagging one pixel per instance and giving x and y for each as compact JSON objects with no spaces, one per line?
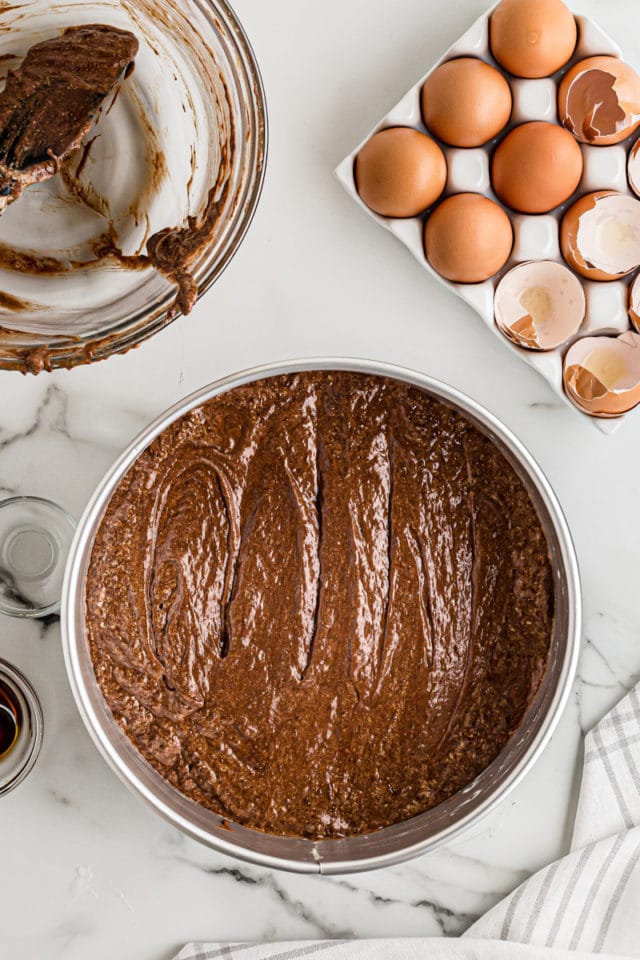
{"x":88,"y":870}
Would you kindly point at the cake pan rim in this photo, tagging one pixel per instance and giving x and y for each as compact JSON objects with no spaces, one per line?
{"x":73,"y":638}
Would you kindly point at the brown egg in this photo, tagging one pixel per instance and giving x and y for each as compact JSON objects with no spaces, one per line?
{"x":400,"y":172}
{"x":466,"y":102}
{"x":600,"y":235}
{"x":602,"y":374}
{"x":536,"y":167}
{"x":532,"y":38}
{"x":599,"y":100}
{"x":468,"y":238}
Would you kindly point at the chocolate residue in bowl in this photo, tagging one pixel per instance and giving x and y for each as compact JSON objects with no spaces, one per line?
{"x":173,"y":250}
{"x":166,"y":188}
{"x":37,"y":360}
{"x":49,"y":103}
{"x":29,"y":262}
{"x":15,"y":304}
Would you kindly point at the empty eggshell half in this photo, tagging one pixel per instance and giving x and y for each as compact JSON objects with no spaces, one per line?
{"x":539,"y":305}
{"x":600,"y":235}
{"x":634,"y":303}
{"x":602,"y":374}
{"x":599,"y":100}
{"x":633,"y":168}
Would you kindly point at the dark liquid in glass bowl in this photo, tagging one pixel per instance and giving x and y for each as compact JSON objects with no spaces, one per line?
{"x":10,"y":720}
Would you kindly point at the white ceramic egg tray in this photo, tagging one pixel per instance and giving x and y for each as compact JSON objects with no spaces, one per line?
{"x":535,"y":237}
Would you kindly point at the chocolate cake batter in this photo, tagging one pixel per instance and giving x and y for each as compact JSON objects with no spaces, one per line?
{"x":320,"y":603}
{"x":49,"y":103}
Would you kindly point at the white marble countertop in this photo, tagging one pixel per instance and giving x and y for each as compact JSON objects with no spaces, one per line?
{"x":89,"y":871}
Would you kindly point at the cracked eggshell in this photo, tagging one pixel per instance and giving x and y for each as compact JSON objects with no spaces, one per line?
{"x":605,"y":171}
{"x":602,"y":374}
{"x":599,"y":100}
{"x":400,"y":172}
{"x":634,"y":303}
{"x":532,"y":38}
{"x":468,"y":238}
{"x":539,"y":305}
{"x":633,"y":168}
{"x":600,"y":235}
{"x":466,"y":102}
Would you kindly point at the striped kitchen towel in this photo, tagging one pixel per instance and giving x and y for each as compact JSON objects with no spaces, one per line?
{"x":585,"y":904}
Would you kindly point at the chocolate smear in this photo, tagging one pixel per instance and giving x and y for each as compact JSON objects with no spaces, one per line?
{"x":50,"y":102}
{"x":172,"y":250}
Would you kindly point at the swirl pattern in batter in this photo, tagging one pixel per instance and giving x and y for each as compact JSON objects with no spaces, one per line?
{"x":320,"y":603}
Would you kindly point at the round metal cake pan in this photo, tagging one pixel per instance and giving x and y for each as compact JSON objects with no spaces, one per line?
{"x":392,"y":844}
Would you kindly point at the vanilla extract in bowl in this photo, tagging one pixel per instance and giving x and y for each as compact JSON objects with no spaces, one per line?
{"x":10,"y":720}
{"x":21,"y":727}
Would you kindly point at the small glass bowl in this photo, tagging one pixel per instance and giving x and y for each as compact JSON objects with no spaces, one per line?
{"x":193,"y":106}
{"x":35,"y":537}
{"x":20,"y":759}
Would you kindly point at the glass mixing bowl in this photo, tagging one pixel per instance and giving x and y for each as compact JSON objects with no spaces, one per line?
{"x":191,"y":115}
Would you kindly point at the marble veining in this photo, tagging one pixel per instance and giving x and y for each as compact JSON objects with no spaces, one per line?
{"x":94,"y":872}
